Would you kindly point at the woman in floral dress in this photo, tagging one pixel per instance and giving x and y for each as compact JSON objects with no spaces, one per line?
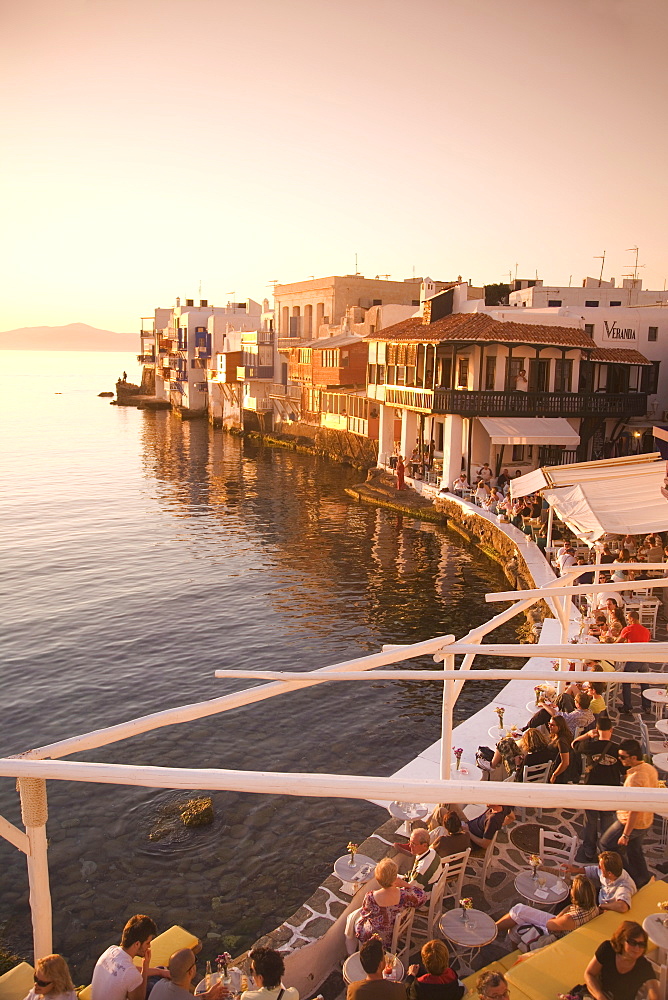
{"x":380,"y":908}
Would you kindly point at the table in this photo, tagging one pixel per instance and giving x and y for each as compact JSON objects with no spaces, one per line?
{"x":554,"y":891}
{"x":353,"y":971}
{"x":496,"y":733}
{"x":662,"y":726}
{"x":658,"y":697}
{"x":407,"y":811}
{"x":235,"y":975}
{"x":658,"y":932}
{"x":353,"y":876}
{"x":479,"y":930}
{"x":525,"y":837}
{"x":660,"y":760}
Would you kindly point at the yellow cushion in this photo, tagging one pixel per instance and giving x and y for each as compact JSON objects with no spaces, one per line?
{"x":164,"y":945}
{"x":17,"y":983}
{"x":85,"y":993}
{"x":560,"y":965}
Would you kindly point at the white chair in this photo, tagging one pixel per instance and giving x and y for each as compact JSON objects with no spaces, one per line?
{"x":648,"y":746}
{"x":556,"y":848}
{"x":648,"y":612}
{"x":403,"y":925}
{"x":484,"y":860}
{"x":425,"y":922}
{"x":538,"y":773}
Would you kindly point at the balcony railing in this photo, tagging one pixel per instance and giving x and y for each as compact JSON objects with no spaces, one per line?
{"x":146,"y":359}
{"x":279,"y":391}
{"x":414,"y":399}
{"x":538,"y":404}
{"x":245,"y":372}
{"x":287,"y":343}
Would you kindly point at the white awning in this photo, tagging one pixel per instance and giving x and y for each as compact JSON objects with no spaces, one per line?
{"x":530,"y":430}
{"x":578,"y":472}
{"x":616,"y":496}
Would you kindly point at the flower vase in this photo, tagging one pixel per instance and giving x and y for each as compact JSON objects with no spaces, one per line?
{"x":458,"y":762}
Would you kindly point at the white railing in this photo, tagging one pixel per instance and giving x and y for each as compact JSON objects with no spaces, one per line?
{"x":34,"y":767}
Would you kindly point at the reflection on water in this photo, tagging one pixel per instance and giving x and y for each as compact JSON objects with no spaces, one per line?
{"x":145,"y":553}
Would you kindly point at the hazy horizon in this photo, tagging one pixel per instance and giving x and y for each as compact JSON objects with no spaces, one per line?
{"x":158,"y":145}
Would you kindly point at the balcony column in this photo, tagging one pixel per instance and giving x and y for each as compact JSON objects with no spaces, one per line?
{"x":453,"y":437}
{"x":385,"y":434}
{"x":409,"y":426}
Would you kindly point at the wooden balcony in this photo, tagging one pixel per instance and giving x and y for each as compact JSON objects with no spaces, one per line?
{"x":539,"y":404}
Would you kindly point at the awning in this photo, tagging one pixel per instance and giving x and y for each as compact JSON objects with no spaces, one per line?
{"x":617,"y":496}
{"x":530,"y":430}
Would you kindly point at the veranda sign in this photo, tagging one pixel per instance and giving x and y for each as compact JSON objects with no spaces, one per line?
{"x":613,"y":331}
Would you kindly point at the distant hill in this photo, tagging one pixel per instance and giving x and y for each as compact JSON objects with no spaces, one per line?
{"x":73,"y":337}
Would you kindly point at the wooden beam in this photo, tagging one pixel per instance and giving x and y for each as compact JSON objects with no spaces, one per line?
{"x":580,"y":588}
{"x":14,"y":835}
{"x":479,"y":674}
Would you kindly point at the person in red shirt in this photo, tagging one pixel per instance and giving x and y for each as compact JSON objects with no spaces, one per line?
{"x":633,"y":632}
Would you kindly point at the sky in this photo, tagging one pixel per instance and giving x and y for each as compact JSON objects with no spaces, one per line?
{"x":153,"y":145}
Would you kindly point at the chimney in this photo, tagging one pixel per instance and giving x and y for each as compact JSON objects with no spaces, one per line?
{"x":178,"y":301}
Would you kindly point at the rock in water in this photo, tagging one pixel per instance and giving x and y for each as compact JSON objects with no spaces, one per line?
{"x":197,"y":812}
{"x":105,"y":394}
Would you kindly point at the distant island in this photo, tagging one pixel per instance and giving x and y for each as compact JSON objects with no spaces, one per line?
{"x":73,"y":337}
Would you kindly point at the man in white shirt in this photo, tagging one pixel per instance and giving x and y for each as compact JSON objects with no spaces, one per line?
{"x":115,"y":976}
{"x":460,"y":484}
{"x":485,"y":473}
{"x":616,"y":885}
{"x":566,"y":560}
{"x":427,"y":864}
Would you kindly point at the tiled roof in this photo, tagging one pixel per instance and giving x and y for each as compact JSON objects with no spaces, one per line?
{"x":619,"y":355}
{"x":480,"y":326}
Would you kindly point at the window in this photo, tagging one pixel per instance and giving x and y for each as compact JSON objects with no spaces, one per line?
{"x":649,"y":380}
{"x":377,"y":302}
{"x":563,"y":375}
{"x":345,"y":359}
{"x":463,"y":373}
{"x":380,"y":375}
{"x":513,"y":367}
{"x":372,"y":375}
{"x":330,"y":359}
{"x":304,"y":355}
{"x":615,"y":303}
{"x":391,"y":374}
{"x":521,"y":453}
{"x":415,"y":302}
{"x":554,"y":302}
{"x":653,"y":333}
{"x":490,"y":373}
{"x":591,"y":303}
{"x":589,"y":328}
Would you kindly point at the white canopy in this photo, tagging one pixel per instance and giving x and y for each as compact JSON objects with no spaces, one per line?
{"x":530,"y":430}
{"x":615,"y":497}
{"x":578,"y":472}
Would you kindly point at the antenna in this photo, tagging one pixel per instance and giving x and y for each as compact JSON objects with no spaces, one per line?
{"x":200,"y":289}
{"x":634,"y":274}
{"x":356,"y":271}
{"x":510,"y":276}
{"x":273,"y":282}
{"x":602,"y":260}
{"x":516,"y":266}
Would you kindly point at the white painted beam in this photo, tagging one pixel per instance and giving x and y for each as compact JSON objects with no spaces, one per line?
{"x":491,"y":674}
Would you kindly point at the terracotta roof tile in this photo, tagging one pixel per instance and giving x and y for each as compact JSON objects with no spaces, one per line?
{"x":480,"y":326}
{"x":620,"y":355}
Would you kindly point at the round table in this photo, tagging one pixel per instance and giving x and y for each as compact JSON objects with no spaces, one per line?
{"x":554,"y":890}
{"x":658,"y":697}
{"x":660,"y":760}
{"x":353,"y":876}
{"x":407,"y":811}
{"x":662,"y":726}
{"x":525,"y":837}
{"x":353,"y":971}
{"x":235,"y":975}
{"x":496,"y":733}
{"x":466,"y":772}
{"x":469,"y":937}
{"x":658,"y":932}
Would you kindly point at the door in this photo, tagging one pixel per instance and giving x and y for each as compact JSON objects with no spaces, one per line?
{"x":539,"y":374}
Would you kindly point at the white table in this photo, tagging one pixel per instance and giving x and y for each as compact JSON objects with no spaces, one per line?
{"x":235,"y":975}
{"x":554,"y":890}
{"x":467,"y":771}
{"x":659,"y":699}
{"x":407,"y":811}
{"x":662,"y":725}
{"x":353,"y":971}
{"x":660,"y":760}
{"x":469,"y":937}
{"x":496,"y":733}
{"x":353,"y":876}
{"x":654,"y":925}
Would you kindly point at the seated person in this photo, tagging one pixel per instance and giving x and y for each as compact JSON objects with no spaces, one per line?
{"x":267,"y":967}
{"x":434,"y":979}
{"x":426,"y":866}
{"x":492,"y":986}
{"x":377,"y":914}
{"x":52,"y":980}
{"x":182,"y":970}
{"x":596,"y":692}
{"x":374,"y":987}
{"x":416,"y":824}
{"x":532,"y":748}
{"x":483,"y":827}
{"x":461,"y":484}
{"x":454,"y":839}
{"x":616,"y":885}
{"x":619,"y":968}
{"x":581,"y":715}
{"x":581,"y":908}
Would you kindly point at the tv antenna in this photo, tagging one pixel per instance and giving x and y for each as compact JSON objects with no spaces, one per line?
{"x":356,"y":271}
{"x":636,"y":266}
{"x":602,"y":260}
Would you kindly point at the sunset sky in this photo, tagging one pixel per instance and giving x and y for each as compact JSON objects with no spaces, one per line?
{"x":151,"y":144}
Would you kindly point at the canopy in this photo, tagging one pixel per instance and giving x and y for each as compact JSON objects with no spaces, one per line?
{"x":615,"y":497}
{"x":578,"y":472}
{"x":530,"y":430}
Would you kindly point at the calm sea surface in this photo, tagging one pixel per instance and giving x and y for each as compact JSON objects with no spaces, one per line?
{"x":140,"y":554}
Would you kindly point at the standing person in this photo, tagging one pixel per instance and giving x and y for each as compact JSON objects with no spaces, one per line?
{"x":629,"y":830}
{"x":484,"y":473}
{"x":374,"y":987}
{"x":503,"y":479}
{"x":125,"y":376}
{"x":115,"y":976}
{"x":560,"y":739}
{"x":603,"y":768}
{"x":401,"y":470}
{"x":52,"y":980}
{"x":633,"y":632}
{"x":521,"y":381}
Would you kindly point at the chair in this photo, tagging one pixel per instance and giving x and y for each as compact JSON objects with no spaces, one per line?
{"x":649,"y":747}
{"x":16,"y":983}
{"x":648,"y":612}
{"x":557,"y":847}
{"x":403,"y":925}
{"x":485,"y":860}
{"x":452,"y":874}
{"x":538,"y":773}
